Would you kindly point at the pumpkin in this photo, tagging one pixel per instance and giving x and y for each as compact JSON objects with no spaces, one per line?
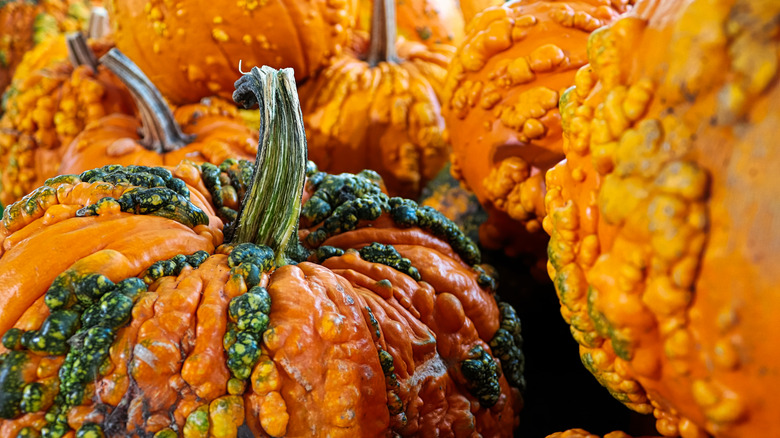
{"x":24,"y":24}
{"x":382,"y":113}
{"x":192,"y":49}
{"x":470,"y":8}
{"x":46,"y":108}
{"x":580,"y":433}
{"x":373,"y":319}
{"x":662,"y":219}
{"x":195,"y":132}
{"x":426,"y":21}
{"x":501,"y":107}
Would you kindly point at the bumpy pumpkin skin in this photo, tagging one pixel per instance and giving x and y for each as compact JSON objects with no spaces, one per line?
{"x":501,"y":107}
{"x":337,"y":384}
{"x":580,"y":433}
{"x":470,"y":8}
{"x":386,"y":118}
{"x":389,"y":317}
{"x":425,"y":21}
{"x":662,"y":219}
{"x":192,"y":50}
{"x":23,"y":25}
{"x":46,"y":108}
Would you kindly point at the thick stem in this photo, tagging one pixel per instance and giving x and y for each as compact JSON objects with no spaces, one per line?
{"x":383,"y":27}
{"x":98,"y":25}
{"x":79,"y":52}
{"x":159,"y":130}
{"x":272,"y":205}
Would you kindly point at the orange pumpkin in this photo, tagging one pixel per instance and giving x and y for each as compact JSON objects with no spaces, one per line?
{"x":192,"y":49}
{"x":501,"y":107}
{"x":382,"y":113}
{"x":663,"y":216}
{"x":426,"y":21}
{"x":195,"y":132}
{"x":47,"y":107}
{"x":470,"y":8}
{"x":182,"y":336}
{"x":580,"y":433}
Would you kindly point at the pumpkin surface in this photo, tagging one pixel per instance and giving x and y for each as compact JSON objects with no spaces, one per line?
{"x":382,"y":113}
{"x":501,"y":107}
{"x":25,"y":24}
{"x":425,"y":21}
{"x":662,"y":219}
{"x":580,"y":433}
{"x":470,"y":8}
{"x":385,"y":324}
{"x":46,"y":108}
{"x":192,"y":49}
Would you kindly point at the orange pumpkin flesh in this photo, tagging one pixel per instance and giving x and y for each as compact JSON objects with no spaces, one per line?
{"x":192,"y":49}
{"x":359,"y":340}
{"x":661,"y":217}
{"x":383,"y":113}
{"x":501,"y":107}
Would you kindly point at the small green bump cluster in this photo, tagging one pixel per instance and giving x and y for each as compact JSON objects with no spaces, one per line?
{"x":482,"y":373}
{"x":154,"y":191}
{"x":407,"y":213}
{"x":166,"y":433}
{"x":12,"y":339}
{"x":12,"y":384}
{"x":374,"y":324}
{"x":86,"y":311}
{"x":52,"y":338}
{"x":173,"y":266}
{"x":388,"y":255}
{"x":29,"y":204}
{"x":507,"y":346}
{"x":90,"y":430}
{"x":232,"y":176}
{"x":27,"y":432}
{"x":325,"y":252}
{"x":248,"y":312}
{"x":197,"y":423}
{"x":394,"y":402}
{"x":484,"y":279}
{"x":340,"y":202}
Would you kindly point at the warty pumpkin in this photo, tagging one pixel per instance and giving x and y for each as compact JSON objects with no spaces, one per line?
{"x":663,"y":219}
{"x":426,"y":21}
{"x":580,"y":433}
{"x":191,"y":49}
{"x":501,"y":107}
{"x":330,"y":309}
{"x":25,"y":24}
{"x":382,"y":113}
{"x":210,"y":131}
{"x":46,"y":108}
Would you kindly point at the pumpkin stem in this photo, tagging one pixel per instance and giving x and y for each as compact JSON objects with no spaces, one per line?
{"x":79,"y":53}
{"x":159,"y":131}
{"x":383,"y":27}
{"x":272,"y":205}
{"x":98,"y":25}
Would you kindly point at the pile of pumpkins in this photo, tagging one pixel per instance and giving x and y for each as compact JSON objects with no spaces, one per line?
{"x":172,"y":264}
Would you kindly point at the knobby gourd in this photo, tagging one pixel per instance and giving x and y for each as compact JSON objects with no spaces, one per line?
{"x":663,"y":218}
{"x":381,"y":113}
{"x":25,"y":24}
{"x":501,"y":107}
{"x":328,"y":309}
{"x":46,"y":107}
{"x":429,"y":22}
{"x":581,"y":433}
{"x":190,"y":49}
